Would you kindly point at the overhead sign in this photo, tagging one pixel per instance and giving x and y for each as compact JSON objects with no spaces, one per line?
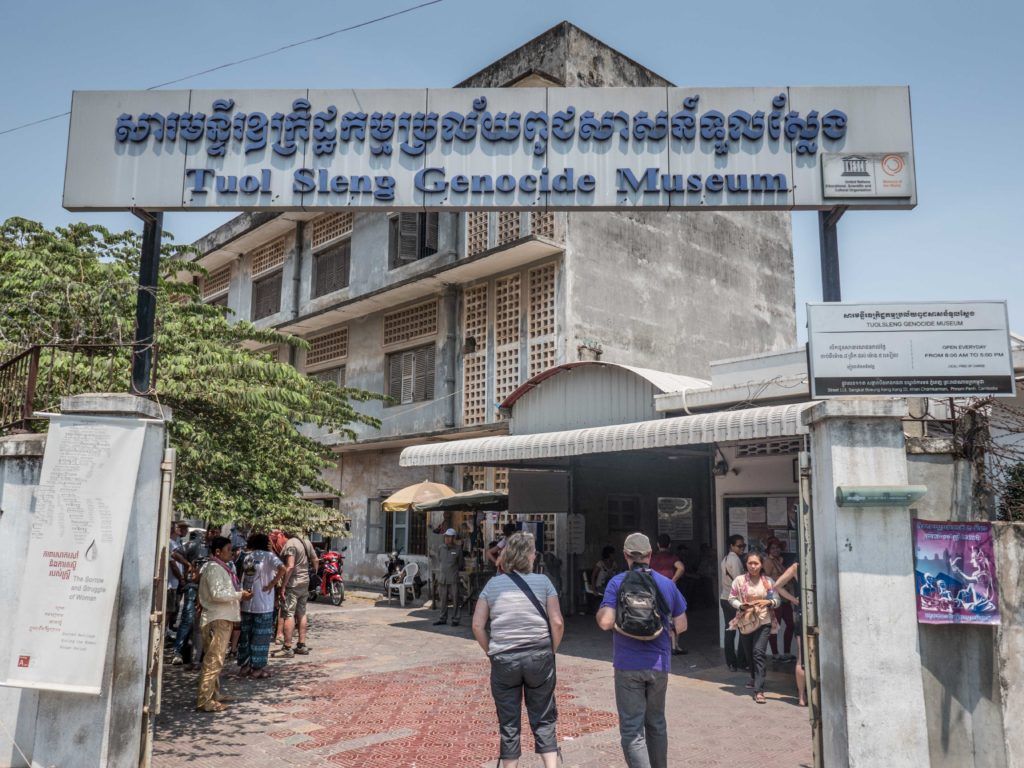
{"x":915,"y":349}
{"x":480,"y":148}
{"x":64,"y":613}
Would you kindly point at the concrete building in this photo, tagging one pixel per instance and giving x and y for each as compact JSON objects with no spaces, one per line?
{"x":447,"y":314}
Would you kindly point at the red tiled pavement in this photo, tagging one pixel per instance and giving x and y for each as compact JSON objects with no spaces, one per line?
{"x":384,"y":687}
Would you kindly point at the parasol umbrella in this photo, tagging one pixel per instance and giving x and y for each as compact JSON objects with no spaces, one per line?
{"x":466,"y":501}
{"x":420,"y":493}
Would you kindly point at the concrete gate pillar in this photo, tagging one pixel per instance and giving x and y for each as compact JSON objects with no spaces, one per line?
{"x":52,"y":728}
{"x":872,"y":697}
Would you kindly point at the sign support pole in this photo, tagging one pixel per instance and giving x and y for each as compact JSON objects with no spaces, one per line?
{"x":828,"y":240}
{"x":145,"y":304}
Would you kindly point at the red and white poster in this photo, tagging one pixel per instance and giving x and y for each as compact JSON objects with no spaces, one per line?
{"x":76,"y":544}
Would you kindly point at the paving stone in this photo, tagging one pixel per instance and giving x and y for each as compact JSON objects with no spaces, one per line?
{"x":383,"y":687}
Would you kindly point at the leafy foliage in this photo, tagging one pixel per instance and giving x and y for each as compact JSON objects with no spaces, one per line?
{"x":238,"y":414}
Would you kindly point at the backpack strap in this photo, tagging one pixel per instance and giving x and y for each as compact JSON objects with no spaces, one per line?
{"x":520,"y":582}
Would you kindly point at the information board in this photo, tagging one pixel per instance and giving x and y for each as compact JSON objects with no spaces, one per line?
{"x":910,"y":349}
{"x":76,"y":543}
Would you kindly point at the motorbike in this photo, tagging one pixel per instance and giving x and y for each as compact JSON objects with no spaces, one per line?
{"x":394,"y":565}
{"x":329,"y":581}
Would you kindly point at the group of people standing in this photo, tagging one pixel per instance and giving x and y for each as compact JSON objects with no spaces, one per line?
{"x":230,"y":600}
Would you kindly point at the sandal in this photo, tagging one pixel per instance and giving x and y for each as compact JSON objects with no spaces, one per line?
{"x":760,"y":699}
{"x":261,"y":674}
{"x":213,"y":706}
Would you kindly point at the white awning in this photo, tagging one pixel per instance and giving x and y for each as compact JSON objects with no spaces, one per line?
{"x":721,"y":427}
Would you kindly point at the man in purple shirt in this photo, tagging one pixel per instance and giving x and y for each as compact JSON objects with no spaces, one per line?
{"x":642,"y":666}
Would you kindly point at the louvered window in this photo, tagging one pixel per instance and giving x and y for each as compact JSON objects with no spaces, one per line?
{"x":334,"y":375}
{"x":412,"y":236}
{"x":266,"y":296}
{"x":330,"y":268}
{"x":411,"y":375}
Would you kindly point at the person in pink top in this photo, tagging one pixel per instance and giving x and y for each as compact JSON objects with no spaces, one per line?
{"x":671,"y":567}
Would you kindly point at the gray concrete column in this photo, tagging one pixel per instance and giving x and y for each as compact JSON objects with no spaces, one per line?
{"x":870,"y":664}
{"x":21,"y":461}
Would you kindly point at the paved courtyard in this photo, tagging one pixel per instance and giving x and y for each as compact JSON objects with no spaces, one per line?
{"x":384,"y":687}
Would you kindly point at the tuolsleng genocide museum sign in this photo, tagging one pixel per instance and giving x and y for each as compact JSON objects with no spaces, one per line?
{"x":910,"y":349}
{"x":456,"y":149}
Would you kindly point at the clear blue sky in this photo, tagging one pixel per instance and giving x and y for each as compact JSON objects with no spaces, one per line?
{"x":963,"y":62}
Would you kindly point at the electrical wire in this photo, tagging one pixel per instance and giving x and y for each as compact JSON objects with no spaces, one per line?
{"x":247,"y":59}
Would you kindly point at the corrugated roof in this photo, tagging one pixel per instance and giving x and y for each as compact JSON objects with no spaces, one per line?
{"x":721,"y":427}
{"x":661,"y":380}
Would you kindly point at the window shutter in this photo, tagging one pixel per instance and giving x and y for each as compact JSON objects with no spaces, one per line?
{"x":408,"y":361}
{"x":430,"y":234}
{"x":408,"y":235}
{"x":333,"y":375}
{"x":266,"y":297}
{"x":423,"y":386}
{"x":332,"y":269}
{"x":395,"y":377}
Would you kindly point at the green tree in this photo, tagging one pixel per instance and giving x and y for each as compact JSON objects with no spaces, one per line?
{"x":242,"y":455}
{"x":1012,"y":506}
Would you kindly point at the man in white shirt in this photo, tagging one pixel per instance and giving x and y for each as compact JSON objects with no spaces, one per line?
{"x":731,"y":567}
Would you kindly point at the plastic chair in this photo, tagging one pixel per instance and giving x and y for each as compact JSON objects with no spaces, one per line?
{"x":403,"y":582}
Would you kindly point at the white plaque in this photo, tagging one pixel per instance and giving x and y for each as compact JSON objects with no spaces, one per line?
{"x":83,"y":504}
{"x":867,"y":174}
{"x":912,"y":349}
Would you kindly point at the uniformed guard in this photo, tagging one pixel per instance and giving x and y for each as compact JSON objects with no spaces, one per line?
{"x":449,"y":563}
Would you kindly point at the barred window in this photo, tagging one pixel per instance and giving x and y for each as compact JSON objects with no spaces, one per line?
{"x":476,"y":232}
{"x":268,"y":257}
{"x":508,"y":227}
{"x":216,"y":282}
{"x":266,"y":296}
{"x":331,"y":268}
{"x":410,"y":375}
{"x":542,"y":224}
{"x":412,"y":236}
{"x":332,"y":345}
{"x":331,"y":227}
{"x":411,"y":323}
{"x":334,"y":375}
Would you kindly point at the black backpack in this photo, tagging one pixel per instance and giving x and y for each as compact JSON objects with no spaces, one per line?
{"x":640,"y":609}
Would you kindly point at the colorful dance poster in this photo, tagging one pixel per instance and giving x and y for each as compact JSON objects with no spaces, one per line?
{"x":955,"y":572}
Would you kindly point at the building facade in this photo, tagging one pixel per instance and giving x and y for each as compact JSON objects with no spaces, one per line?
{"x":446,"y":314}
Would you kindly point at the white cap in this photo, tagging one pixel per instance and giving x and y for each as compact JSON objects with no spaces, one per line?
{"x":450,"y":532}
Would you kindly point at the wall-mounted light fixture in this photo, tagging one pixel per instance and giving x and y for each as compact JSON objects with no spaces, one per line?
{"x":878,"y":495}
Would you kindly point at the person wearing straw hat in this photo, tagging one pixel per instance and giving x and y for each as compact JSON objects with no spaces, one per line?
{"x":449,"y":563}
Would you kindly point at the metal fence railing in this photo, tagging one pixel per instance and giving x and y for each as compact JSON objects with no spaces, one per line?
{"x":36,"y":378}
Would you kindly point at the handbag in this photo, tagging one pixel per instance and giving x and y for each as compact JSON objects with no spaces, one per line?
{"x":747,"y":622}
